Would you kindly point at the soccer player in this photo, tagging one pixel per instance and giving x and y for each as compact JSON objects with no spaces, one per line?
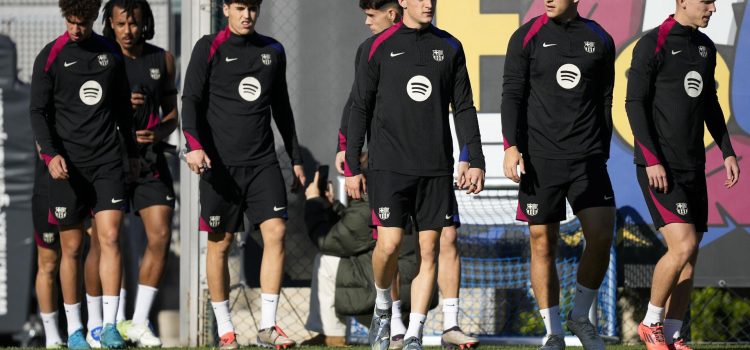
{"x":557,"y":125}
{"x":79,"y":102}
{"x":235,"y":82}
{"x":379,"y":16}
{"x":151,"y":71}
{"x":421,"y":69}
{"x":671,"y":94}
{"x":47,"y":240}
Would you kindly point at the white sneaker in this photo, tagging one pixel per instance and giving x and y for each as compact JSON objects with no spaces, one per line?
{"x":586,"y":332}
{"x":93,"y":337}
{"x":142,"y":336}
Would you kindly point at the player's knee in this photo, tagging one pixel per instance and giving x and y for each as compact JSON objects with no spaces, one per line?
{"x":600,"y":242}
{"x":273,"y":233}
{"x":47,"y":265}
{"x":388,"y":247}
{"x":108,"y":238}
{"x":428,"y":252}
{"x":159,"y":239}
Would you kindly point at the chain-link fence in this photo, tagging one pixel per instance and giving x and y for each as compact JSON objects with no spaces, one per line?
{"x":719,"y":313}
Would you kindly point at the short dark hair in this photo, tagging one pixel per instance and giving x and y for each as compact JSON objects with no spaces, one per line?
{"x":129,"y":6}
{"x":86,"y":10}
{"x":377,"y":4}
{"x":244,"y":2}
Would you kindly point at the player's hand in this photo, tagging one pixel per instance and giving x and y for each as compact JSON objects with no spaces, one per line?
{"x":355,"y":186}
{"x":299,"y":179}
{"x":657,"y":177}
{"x":137,"y":99}
{"x":145,"y":137}
{"x":475,"y":176}
{"x":58,"y":168}
{"x":312,"y":190}
{"x":329,"y":192}
{"x":512,"y":161}
{"x":733,"y":171}
{"x":339,"y":162}
{"x":135,"y":169}
{"x":198,"y":161}
{"x":461,"y":180}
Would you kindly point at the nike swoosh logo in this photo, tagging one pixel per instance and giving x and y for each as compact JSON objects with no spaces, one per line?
{"x":169,"y":198}
{"x":448,"y":217}
{"x":231,"y":59}
{"x":397,"y":54}
{"x":115,"y":201}
{"x":548,"y":45}
{"x":66,"y":64}
{"x":275,"y":208}
{"x":608,"y":198}
{"x":675,"y":52}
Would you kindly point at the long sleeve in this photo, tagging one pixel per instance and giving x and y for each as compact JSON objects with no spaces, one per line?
{"x":641,"y":77}
{"x":715,"y":116}
{"x":609,"y":86}
{"x":42,"y":90}
{"x":363,"y":103}
{"x":465,"y":114}
{"x":344,"y":125}
{"x":194,"y":93}
{"x":282,"y":114}
{"x":515,"y":89}
{"x":124,"y":111}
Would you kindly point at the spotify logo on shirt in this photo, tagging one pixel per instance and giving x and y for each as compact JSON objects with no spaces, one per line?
{"x":249,"y":89}
{"x":90,"y":92}
{"x":419,"y":88}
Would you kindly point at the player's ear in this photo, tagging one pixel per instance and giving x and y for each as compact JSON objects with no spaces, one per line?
{"x":226,"y":10}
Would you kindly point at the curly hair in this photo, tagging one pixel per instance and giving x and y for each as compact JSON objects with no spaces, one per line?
{"x":86,"y":10}
{"x":129,"y":6}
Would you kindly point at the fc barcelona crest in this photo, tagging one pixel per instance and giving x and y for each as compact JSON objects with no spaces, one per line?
{"x":682,"y":208}
{"x":214,"y":221}
{"x":384,"y":213}
{"x":155,"y":73}
{"x":103,"y":60}
{"x":589,"y":46}
{"x":48,"y":237}
{"x":532,"y":209}
{"x":266,"y":59}
{"x":438,"y":55}
{"x":61,"y":212}
{"x":703,"y":51}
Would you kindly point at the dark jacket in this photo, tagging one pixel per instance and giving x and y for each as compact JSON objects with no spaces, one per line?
{"x":344,"y":231}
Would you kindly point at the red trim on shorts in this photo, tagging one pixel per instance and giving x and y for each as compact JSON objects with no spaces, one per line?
{"x":667,"y":216}
{"x":203,"y":225}
{"x":51,"y":218}
{"x":520,"y":215}
{"x":375,"y":234}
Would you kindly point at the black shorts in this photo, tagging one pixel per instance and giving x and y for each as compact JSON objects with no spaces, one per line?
{"x":228,"y":191}
{"x":686,"y":200}
{"x":46,"y":235}
{"x":87,"y":191}
{"x":394,"y":198}
{"x":548,"y":182}
{"x":153,"y":187}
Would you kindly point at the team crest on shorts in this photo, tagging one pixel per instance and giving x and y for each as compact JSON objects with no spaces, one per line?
{"x":682,"y":208}
{"x":48,"y":237}
{"x":61,"y":212}
{"x":103,"y":60}
{"x":155,"y":73}
{"x":384,"y":213}
{"x":703,"y":51}
{"x":266,"y":59}
{"x":532,"y":209}
{"x":214,"y":221}
{"x":589,"y":46}
{"x":438,"y":55}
